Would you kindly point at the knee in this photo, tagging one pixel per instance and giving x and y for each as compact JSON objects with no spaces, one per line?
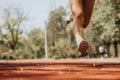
{"x":78,"y":16}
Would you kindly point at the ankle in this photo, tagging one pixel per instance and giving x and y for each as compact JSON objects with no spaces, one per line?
{"x":79,"y":40}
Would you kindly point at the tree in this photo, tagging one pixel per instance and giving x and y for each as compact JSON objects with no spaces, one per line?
{"x":56,"y":23}
{"x":116,"y":31}
{"x":55,"y":26}
{"x":59,"y":40}
{"x":36,"y":42}
{"x":10,"y":28}
{"x":102,"y":29}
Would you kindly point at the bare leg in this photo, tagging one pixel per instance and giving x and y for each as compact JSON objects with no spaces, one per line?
{"x":77,"y":11}
{"x":87,"y":9}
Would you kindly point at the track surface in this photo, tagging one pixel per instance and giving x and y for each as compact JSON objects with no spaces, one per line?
{"x":69,"y":69}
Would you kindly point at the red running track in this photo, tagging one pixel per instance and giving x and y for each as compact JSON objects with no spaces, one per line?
{"x":68,"y":69}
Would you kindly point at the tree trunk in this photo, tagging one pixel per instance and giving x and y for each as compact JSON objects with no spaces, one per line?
{"x":115,"y":43}
{"x":108,"y":49}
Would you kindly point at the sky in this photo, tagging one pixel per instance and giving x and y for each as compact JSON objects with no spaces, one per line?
{"x":38,"y":10}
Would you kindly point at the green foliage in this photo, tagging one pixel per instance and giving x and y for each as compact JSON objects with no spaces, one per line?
{"x":29,"y":47}
{"x":59,"y":40}
{"x":10,"y":28}
{"x":36,"y":42}
{"x":103,"y":29}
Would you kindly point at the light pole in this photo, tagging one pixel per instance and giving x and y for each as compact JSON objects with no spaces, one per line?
{"x":46,"y":50}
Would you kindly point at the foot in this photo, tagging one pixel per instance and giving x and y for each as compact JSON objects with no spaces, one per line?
{"x":83,"y":47}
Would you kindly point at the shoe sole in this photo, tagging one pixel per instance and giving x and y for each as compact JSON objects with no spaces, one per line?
{"x":83,"y":47}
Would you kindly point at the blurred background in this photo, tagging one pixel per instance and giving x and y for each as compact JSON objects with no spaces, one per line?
{"x":37,"y":29}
